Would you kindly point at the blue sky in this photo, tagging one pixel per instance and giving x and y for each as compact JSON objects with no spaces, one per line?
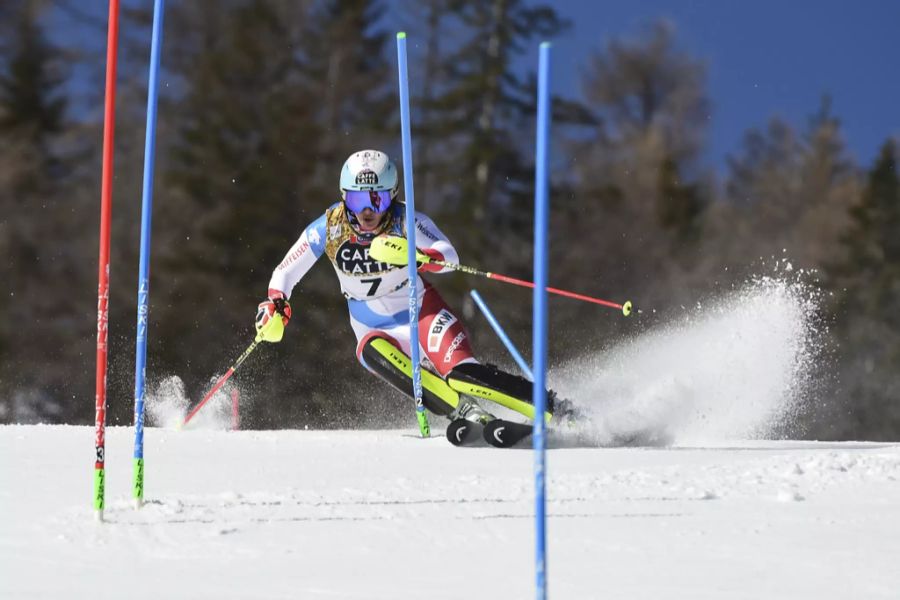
{"x":765,"y":58}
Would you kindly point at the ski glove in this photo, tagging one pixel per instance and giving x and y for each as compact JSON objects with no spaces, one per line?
{"x":430,"y":267}
{"x":392,"y":250}
{"x":275,"y":303}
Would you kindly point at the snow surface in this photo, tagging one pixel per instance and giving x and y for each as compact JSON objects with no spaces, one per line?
{"x":708,"y":508}
{"x":386,"y":515}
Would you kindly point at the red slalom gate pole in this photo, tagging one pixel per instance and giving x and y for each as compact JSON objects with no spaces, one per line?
{"x":109,"y":123}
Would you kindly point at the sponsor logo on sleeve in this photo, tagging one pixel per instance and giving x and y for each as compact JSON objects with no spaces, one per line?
{"x":426,"y":232}
{"x":439,"y":326}
{"x":295,"y":254}
{"x":314,"y":238}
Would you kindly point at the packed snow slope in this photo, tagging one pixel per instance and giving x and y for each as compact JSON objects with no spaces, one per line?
{"x":704,"y":507}
{"x":386,"y":515}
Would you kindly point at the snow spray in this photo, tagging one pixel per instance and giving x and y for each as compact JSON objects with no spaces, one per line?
{"x":738,"y":368}
{"x":167,"y":403}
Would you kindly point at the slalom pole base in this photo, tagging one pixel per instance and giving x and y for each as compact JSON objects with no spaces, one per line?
{"x":138,"y":482}
{"x":424,"y":428}
{"x":98,"y":515}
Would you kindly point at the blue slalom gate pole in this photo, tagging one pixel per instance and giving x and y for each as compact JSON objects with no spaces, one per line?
{"x":498,"y":329}
{"x":406,"y":137}
{"x":539,"y":340}
{"x":143,"y":309}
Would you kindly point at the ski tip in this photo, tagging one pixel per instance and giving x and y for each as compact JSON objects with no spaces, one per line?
{"x":626,"y":308}
{"x":401,"y":35}
{"x":546,"y":44}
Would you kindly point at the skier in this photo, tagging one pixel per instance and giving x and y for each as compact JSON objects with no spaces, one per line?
{"x":378,"y":299}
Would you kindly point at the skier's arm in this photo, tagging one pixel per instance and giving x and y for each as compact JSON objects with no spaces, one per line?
{"x":299,"y":259}
{"x":432,"y":242}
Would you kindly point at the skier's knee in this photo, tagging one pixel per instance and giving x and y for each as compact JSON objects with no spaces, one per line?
{"x":381,"y":354}
{"x":367,"y":346}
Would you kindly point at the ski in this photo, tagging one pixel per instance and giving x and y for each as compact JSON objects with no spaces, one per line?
{"x":462,"y":432}
{"x":505,"y":434}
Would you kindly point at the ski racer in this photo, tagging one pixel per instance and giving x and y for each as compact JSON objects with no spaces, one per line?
{"x":378,"y":298}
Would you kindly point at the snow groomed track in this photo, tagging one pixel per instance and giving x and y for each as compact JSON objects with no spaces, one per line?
{"x":384,"y":515}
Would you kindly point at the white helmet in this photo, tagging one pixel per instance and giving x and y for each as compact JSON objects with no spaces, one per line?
{"x":371,"y":171}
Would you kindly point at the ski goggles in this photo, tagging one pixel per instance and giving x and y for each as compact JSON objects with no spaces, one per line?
{"x":357,"y":201}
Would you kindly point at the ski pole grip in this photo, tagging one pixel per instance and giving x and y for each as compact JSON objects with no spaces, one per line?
{"x":272,"y":331}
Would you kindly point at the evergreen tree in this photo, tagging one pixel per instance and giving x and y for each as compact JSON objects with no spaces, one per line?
{"x":867,"y":285}
{"x":33,"y":219}
{"x":276,"y":96}
{"x":639,"y":191}
{"x":873,"y":243}
{"x":650,"y":92}
{"x":679,"y":204}
{"x":791,"y":191}
{"x":432,"y":150}
{"x":33,"y":107}
{"x":480,"y":116}
{"x":244,"y":137}
{"x":350,"y":84}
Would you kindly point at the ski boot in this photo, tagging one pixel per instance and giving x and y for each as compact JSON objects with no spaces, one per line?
{"x":467,"y":423}
{"x":565,"y":413}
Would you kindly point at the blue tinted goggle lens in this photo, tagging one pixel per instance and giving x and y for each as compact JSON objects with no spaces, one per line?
{"x":357,"y":201}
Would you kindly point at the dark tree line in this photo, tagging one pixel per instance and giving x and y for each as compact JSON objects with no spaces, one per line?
{"x":262,"y":100}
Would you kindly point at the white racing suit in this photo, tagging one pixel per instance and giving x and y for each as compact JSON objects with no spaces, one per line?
{"x":378,"y":302}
